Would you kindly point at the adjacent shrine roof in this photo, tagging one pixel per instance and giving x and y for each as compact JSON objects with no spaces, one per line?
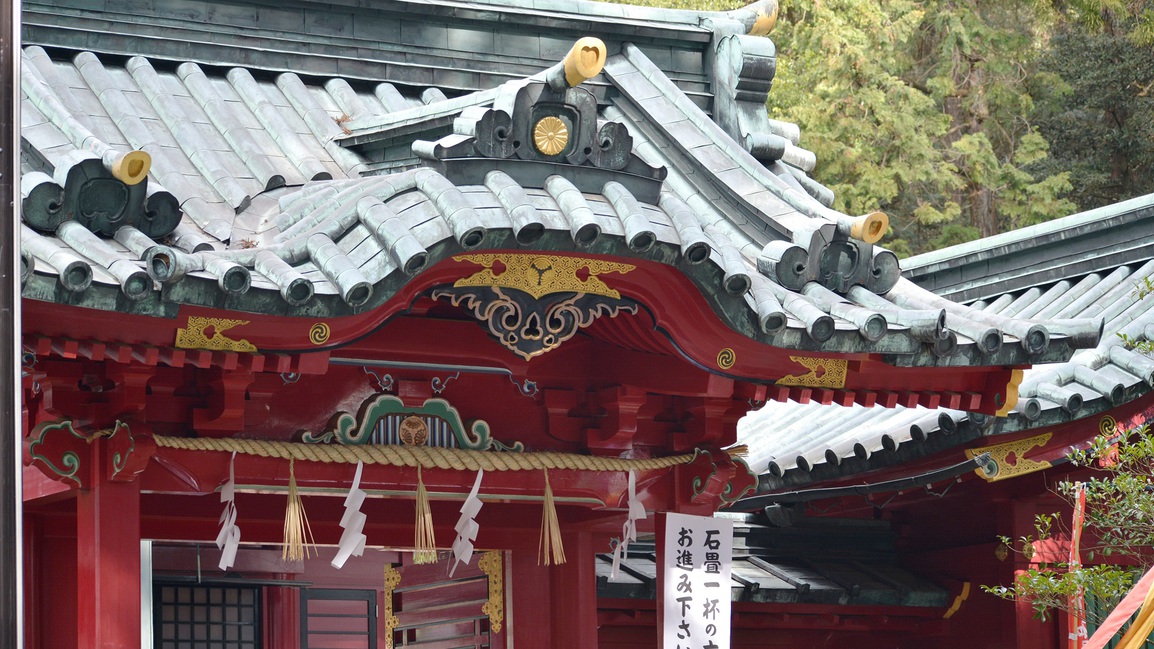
{"x":816,"y":561}
{"x":323,"y":181}
{"x":1094,"y":264}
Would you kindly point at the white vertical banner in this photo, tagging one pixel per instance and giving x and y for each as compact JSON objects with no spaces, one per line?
{"x":697,"y":591}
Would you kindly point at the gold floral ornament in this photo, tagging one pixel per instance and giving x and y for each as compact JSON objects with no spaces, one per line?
{"x":1008,"y":460}
{"x":206,"y":333}
{"x":550,"y":135}
{"x":823,"y":373}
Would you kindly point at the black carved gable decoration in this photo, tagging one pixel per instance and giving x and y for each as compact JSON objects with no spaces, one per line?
{"x":101,"y":192}
{"x":540,"y":128}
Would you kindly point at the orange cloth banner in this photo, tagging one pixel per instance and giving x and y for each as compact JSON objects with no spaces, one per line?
{"x":1139,"y":595}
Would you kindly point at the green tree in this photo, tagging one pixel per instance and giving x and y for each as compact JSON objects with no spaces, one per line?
{"x":1094,"y":105}
{"x":920,"y":109}
{"x":1119,"y":530}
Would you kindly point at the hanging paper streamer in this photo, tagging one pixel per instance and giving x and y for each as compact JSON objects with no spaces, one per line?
{"x":424,"y":539}
{"x":296,"y":524}
{"x":629,"y":530}
{"x":467,"y":526}
{"x":229,"y":538}
{"x":550,"y":546}
{"x":352,"y":538}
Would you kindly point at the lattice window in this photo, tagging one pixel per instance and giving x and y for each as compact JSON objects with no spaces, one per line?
{"x":199,"y":616}
{"x":338,"y":619}
{"x":439,"y":613}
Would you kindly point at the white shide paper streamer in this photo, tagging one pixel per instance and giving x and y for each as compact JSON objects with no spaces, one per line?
{"x":229,"y":537}
{"x":467,"y":527}
{"x":353,"y":538}
{"x":629,"y":529}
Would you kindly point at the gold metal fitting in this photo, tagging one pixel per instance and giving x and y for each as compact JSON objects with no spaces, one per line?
{"x":585,"y":60}
{"x":132,"y":167}
{"x":869,"y":228}
{"x":766,"y":18}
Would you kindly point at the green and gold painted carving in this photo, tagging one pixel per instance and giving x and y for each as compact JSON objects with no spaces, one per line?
{"x":123,"y":436}
{"x":358,"y":429}
{"x":65,"y":447}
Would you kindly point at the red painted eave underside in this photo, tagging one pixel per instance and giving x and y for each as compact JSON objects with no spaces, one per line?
{"x":676,"y":321}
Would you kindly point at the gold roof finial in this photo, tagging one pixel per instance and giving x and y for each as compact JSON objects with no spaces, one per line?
{"x":583,"y":62}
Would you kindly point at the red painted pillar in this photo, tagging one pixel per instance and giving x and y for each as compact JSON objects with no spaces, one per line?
{"x":108,"y":560}
{"x":283,"y":616}
{"x":532,"y":604}
{"x":574,"y":605}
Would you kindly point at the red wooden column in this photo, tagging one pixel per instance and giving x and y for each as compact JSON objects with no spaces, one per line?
{"x":283,"y":616}
{"x":574,"y":606}
{"x":532,"y":599}
{"x":108,"y":560}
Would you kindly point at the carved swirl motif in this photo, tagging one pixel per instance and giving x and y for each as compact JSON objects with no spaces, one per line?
{"x":529,"y":327}
{"x":726,"y":358}
{"x":1107,"y":426}
{"x":550,"y":135}
{"x":319,"y":333}
{"x":823,"y":373}
{"x":206,"y":333}
{"x":493,"y":565}
{"x":57,"y":447}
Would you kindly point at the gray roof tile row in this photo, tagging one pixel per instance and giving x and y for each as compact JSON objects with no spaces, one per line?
{"x":267,"y":168}
{"x":794,"y":444}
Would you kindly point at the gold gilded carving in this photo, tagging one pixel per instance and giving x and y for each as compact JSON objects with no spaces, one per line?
{"x":766,"y":19}
{"x":726,"y":358}
{"x":529,"y":327}
{"x":414,"y":431}
{"x":585,"y":60}
{"x":1107,"y":426}
{"x":1008,"y":460}
{"x":550,"y":135}
{"x":392,"y":580}
{"x":1011,"y":399}
{"x":823,"y":373}
{"x":319,"y":333}
{"x":493,"y":565}
{"x":206,"y":333}
{"x":540,"y":275}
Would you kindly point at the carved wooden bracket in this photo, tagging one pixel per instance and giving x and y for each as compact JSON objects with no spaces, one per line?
{"x":128,"y":452}
{"x":61,"y":452}
{"x":58,"y":451}
{"x":619,"y":427}
{"x":716,"y":478}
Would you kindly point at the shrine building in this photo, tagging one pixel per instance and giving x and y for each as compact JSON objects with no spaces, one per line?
{"x":372,"y":326}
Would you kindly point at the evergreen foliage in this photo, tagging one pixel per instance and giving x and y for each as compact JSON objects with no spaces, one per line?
{"x":961,"y":118}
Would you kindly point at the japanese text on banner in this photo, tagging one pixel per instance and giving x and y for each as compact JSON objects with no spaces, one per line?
{"x":698,"y":551}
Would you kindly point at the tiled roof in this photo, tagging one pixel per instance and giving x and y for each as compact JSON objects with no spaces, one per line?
{"x":274,"y":204}
{"x":855,"y":566}
{"x":1086,"y":265}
